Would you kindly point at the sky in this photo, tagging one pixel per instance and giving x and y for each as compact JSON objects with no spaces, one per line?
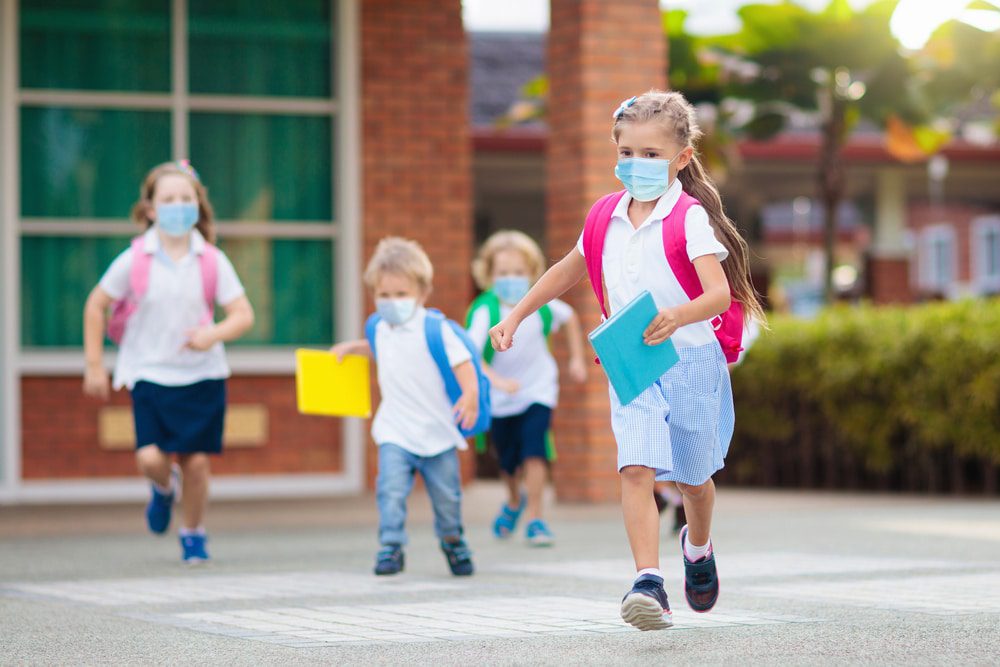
{"x":912,"y":23}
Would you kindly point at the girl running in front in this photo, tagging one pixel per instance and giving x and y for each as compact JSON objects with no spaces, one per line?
{"x":164,"y":289}
{"x":678,"y":429}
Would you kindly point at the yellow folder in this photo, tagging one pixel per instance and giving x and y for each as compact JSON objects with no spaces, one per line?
{"x":326,"y":386}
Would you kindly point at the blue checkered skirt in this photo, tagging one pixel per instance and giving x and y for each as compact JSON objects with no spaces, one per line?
{"x":681,"y":426}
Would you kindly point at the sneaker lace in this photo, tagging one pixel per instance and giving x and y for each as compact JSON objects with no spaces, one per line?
{"x":459,"y":551}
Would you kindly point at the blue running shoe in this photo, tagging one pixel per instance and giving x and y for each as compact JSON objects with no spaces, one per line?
{"x":459,"y":557}
{"x":506,"y":521}
{"x":160,"y":506}
{"x":193,"y":548}
{"x":701,"y":579}
{"x":645,"y":606}
{"x":538,"y":534}
{"x":389,"y":560}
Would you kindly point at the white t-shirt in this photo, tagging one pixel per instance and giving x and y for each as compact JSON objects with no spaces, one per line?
{"x":152,"y":348}
{"x":635,"y":261}
{"x":415,"y":413}
{"x":529,"y":362}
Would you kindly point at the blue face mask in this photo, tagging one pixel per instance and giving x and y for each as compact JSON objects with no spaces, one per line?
{"x":396,"y":311}
{"x":645,"y":179}
{"x":176,"y":219}
{"x":511,"y":289}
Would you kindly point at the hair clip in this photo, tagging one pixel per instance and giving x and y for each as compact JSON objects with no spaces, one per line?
{"x":623,"y":106}
{"x":185,"y":166}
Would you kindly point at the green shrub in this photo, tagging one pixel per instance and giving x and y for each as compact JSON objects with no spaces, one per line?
{"x":871,"y":394}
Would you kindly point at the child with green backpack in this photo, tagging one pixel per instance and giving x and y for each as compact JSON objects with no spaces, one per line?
{"x":525,"y":379}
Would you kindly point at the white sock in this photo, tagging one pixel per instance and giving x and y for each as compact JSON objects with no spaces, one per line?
{"x":694,"y":553}
{"x":187,"y":532}
{"x":650,"y":570}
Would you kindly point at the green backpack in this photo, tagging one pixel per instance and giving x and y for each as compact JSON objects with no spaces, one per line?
{"x":491,"y":301}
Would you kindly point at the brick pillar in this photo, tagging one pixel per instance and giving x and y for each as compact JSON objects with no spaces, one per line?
{"x":600,"y":53}
{"x":416,"y":148}
{"x":889,"y":265}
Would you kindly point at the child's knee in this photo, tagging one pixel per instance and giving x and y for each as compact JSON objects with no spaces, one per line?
{"x":636,"y":476}
{"x":195,"y":464}
{"x":694,"y":491}
{"x":150,"y":457}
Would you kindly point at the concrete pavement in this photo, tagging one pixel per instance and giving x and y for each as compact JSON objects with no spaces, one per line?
{"x":807,"y":578}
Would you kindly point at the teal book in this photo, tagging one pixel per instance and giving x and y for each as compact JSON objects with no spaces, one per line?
{"x":630,"y":364}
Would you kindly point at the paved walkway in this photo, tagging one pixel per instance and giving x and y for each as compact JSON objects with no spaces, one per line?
{"x":807,"y":578}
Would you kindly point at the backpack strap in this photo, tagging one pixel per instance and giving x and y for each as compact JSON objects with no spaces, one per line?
{"x":371,"y":324}
{"x":545,"y":312}
{"x":491,"y":301}
{"x":595,"y":229}
{"x":142,"y":263}
{"x":208,"y":260}
{"x":433,"y":328}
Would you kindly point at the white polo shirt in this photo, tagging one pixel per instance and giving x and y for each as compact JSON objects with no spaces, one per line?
{"x":152,"y":348}
{"x":634,"y":260}
{"x":530,"y":362}
{"x":415,"y":412}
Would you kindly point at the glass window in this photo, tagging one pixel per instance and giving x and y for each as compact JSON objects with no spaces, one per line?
{"x":86,"y":162}
{"x":260,"y":48}
{"x":119,"y":45}
{"x":289,"y":283}
{"x":57,"y":274}
{"x":265,"y":167}
{"x":939,"y":257}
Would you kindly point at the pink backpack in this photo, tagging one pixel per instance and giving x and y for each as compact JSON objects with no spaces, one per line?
{"x":142,"y":262}
{"x":728,"y":326}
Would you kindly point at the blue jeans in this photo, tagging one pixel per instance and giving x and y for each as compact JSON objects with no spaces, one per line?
{"x":396,"y":469}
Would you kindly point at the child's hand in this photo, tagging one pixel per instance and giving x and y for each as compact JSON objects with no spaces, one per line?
{"x":578,"y":370}
{"x":507,"y":385}
{"x":662,"y":327}
{"x":466,"y":410}
{"x":201,"y":339}
{"x":340,"y":350}
{"x":96,"y":383}
{"x":502,"y":335}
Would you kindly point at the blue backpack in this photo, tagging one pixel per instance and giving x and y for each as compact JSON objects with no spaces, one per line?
{"x":433,"y":328}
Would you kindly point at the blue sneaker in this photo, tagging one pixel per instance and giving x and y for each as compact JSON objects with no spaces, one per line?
{"x":645,"y":606}
{"x":701,"y":579}
{"x":193,"y":548}
{"x":389,"y":560}
{"x":160,"y":506}
{"x":538,"y":534}
{"x":506,"y":521}
{"x":459,"y":557}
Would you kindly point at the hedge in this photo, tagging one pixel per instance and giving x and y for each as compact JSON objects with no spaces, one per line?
{"x":902,"y":398}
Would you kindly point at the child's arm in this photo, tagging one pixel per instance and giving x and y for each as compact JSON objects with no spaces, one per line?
{"x":359,"y":346}
{"x":466,"y":409}
{"x":95,"y":379}
{"x":715,"y":301}
{"x":504,"y":384}
{"x":574,"y":338}
{"x":557,"y":281}
{"x":239,"y":319}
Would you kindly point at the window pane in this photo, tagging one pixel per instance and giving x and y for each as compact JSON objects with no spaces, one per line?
{"x":260,"y":48}
{"x":264,"y":167}
{"x":57,"y":274}
{"x":290,"y":285}
{"x":85,"y":162}
{"x":96,"y":44}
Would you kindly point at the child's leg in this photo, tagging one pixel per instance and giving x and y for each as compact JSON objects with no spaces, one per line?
{"x":444,"y":486}
{"x":154,"y":464}
{"x":536,"y":473}
{"x":534,"y":451}
{"x":396,"y":468}
{"x":642,"y":522}
{"x":513,"y":484}
{"x":699,"y":502}
{"x":195,"y":469}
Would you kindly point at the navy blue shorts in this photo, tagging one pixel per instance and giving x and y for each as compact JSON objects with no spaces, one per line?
{"x":522,"y":436}
{"x":180,"y":420}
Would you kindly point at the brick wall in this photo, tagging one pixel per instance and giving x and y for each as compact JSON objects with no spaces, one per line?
{"x":60,"y":432}
{"x":599,"y":54}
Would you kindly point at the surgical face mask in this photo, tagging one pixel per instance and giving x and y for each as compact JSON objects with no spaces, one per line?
{"x":396,"y":311}
{"x":511,"y":289}
{"x":645,"y":179}
{"x":176,"y":219}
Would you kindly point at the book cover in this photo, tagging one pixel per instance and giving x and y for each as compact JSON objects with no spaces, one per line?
{"x":630,"y":364}
{"x":328,"y":387}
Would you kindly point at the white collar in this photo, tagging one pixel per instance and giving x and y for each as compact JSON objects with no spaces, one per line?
{"x":664,"y":205}
{"x":151,"y":241}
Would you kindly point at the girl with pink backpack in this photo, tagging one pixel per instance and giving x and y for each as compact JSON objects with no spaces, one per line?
{"x":162,"y":293}
{"x":667,"y":234}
